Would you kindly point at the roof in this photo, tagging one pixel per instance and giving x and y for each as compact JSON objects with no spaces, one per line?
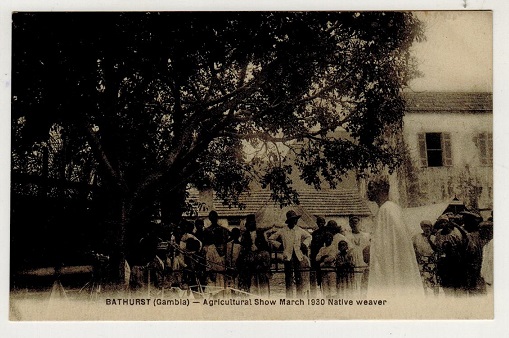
{"x":338,"y":202}
{"x":449,"y":102}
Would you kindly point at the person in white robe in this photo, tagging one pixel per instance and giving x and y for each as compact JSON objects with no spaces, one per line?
{"x":486,"y":232}
{"x":393,"y":269}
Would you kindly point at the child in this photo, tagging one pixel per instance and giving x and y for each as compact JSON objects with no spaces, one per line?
{"x":325,"y":258}
{"x":344,"y":269}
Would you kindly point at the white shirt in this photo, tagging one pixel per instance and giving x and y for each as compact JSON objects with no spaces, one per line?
{"x":329,"y":254}
{"x":357,"y":243}
{"x":292,"y":240}
{"x":487,"y":263}
{"x":184,"y":239}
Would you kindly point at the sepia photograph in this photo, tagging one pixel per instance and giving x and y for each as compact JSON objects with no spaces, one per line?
{"x":251,"y":165}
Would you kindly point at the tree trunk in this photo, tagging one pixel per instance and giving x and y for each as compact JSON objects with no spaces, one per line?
{"x":173,"y":205}
{"x":119,"y":245}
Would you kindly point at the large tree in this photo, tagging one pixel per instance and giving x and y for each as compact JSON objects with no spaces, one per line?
{"x":163,"y":101}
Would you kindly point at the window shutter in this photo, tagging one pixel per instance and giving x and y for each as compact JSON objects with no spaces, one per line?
{"x":422,"y":150}
{"x":483,"y":151}
{"x":446,"y":148}
{"x":490,"y":149}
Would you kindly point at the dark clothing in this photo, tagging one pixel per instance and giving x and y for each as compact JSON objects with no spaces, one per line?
{"x":246,"y":240}
{"x":473,"y":260}
{"x":200,"y":269}
{"x":344,"y":273}
{"x":317,"y":241}
{"x":143,"y":253}
{"x":253,"y":262}
{"x":190,"y":275}
{"x":451,"y":268}
{"x":200,"y":234}
{"x":214,"y":230}
{"x":145,"y":250}
{"x":293,"y":270}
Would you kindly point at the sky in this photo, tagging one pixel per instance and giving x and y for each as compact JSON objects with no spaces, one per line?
{"x":458,"y":52}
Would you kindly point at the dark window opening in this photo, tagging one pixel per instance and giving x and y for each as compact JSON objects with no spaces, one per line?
{"x":434,"y":149}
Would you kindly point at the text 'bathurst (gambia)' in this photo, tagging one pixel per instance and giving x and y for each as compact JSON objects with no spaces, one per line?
{"x":244,"y":302}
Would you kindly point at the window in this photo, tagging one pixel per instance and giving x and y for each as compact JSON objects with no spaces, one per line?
{"x":435,"y":149}
{"x":485,"y":145}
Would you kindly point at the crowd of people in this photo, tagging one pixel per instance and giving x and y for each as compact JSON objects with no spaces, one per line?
{"x":454,"y":254}
{"x":339,"y":259}
{"x":198,"y":258}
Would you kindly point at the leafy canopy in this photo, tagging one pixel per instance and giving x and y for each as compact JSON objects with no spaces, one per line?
{"x":163,"y":100}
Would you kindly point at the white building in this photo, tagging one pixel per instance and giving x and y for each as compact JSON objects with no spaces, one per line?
{"x":449,"y":137}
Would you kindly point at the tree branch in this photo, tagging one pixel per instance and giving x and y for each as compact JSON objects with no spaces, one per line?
{"x":101,"y":155}
{"x":326,"y":89}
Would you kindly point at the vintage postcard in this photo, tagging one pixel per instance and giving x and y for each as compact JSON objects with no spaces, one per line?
{"x":251,"y":165}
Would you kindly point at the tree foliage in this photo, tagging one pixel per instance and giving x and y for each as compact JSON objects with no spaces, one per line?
{"x":155,"y":102}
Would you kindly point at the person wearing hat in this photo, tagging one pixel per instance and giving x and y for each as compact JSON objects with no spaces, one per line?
{"x":450,"y":244}
{"x":295,"y":241}
{"x":358,"y":241}
{"x":470,"y":220}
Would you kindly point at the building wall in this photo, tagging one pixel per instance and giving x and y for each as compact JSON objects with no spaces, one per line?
{"x":467,"y":178}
